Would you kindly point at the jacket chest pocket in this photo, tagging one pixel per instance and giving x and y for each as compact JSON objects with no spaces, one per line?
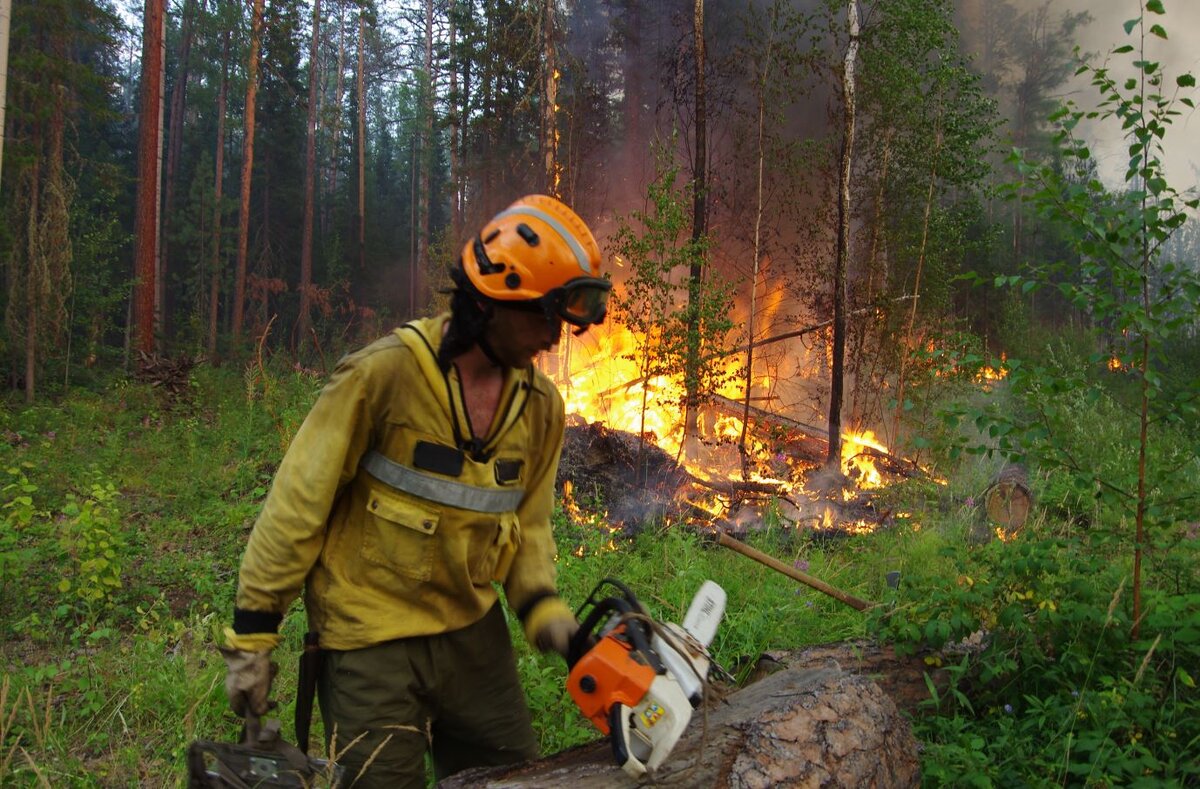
{"x":492,"y":549}
{"x":400,"y":534}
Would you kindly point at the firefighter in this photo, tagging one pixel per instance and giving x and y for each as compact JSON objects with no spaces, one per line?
{"x":424,"y":473}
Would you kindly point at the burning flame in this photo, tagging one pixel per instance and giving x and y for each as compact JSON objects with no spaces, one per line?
{"x":856,"y":464}
{"x":601,"y":380}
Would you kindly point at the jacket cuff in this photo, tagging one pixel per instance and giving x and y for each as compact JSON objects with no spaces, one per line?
{"x":542,"y":611}
{"x":247,"y":621}
{"x":251,"y":642}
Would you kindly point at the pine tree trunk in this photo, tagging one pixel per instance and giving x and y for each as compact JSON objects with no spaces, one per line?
{"x":174,"y":151}
{"x":146,"y":223}
{"x":32,"y":282}
{"x":456,"y":116}
{"x":362,"y":142}
{"x":692,"y":363}
{"x":239,"y":280}
{"x":426,"y":162}
{"x":214,"y":288}
{"x":335,"y":130}
{"x":834,"y":455}
{"x":550,"y":99}
{"x":5,"y":25}
{"x":304,"y":321}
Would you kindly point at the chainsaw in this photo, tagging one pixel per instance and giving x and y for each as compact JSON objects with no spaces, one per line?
{"x":636,"y":679}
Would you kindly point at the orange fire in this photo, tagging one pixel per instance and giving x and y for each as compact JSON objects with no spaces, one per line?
{"x":600,"y":379}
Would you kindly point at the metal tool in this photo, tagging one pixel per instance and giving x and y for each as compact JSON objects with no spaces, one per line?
{"x":636,"y":679}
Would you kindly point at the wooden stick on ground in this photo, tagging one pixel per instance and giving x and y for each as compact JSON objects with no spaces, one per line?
{"x":791,"y":572}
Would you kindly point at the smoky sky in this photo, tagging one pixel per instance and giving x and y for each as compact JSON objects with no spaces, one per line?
{"x":1179,"y":53}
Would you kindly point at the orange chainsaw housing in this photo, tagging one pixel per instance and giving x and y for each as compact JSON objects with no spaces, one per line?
{"x":609,"y":673}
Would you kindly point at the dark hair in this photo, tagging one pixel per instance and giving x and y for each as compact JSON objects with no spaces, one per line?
{"x":468,"y":319}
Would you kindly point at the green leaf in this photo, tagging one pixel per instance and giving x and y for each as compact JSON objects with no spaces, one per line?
{"x":1157,"y":30}
{"x":1126,"y":48}
{"x":1185,"y":81}
{"x":1155,"y":7}
{"x":1130,"y":24}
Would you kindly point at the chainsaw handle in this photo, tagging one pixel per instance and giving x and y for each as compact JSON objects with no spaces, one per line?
{"x":584,"y":638}
{"x":624,"y":603}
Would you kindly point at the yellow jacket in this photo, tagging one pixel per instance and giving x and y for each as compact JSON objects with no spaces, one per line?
{"x":394,"y":531}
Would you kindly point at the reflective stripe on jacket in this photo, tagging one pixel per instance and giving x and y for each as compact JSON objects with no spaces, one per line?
{"x":394,"y":531}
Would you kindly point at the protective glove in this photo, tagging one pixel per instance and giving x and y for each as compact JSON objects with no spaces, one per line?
{"x":248,"y":682}
{"x":555,"y":635}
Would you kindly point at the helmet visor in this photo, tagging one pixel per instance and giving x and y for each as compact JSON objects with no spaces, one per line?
{"x":581,"y":302}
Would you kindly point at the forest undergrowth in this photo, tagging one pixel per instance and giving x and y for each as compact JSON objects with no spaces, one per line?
{"x":124,"y":517}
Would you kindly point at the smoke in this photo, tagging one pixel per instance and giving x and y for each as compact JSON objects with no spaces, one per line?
{"x":1178,"y":54}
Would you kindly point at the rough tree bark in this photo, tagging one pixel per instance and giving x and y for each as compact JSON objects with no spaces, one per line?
{"x":304,"y":320}
{"x":174,"y":152}
{"x":424,"y":198}
{"x":239,"y":282}
{"x":549,"y":98}
{"x":456,"y":196}
{"x":149,"y":162}
{"x":214,"y":287}
{"x":796,"y":727}
{"x":362,"y":140}
{"x":691,"y":431}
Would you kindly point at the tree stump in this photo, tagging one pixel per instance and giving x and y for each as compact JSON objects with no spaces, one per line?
{"x":796,"y":727}
{"x":1005,"y":506}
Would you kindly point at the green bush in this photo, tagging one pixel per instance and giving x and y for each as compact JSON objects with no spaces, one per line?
{"x":1057,"y":691}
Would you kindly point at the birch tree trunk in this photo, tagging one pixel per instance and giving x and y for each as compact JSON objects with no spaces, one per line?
{"x":239,"y":281}
{"x":834,"y":455}
{"x":214,"y":288}
{"x":146,"y":221}
{"x":304,"y":321}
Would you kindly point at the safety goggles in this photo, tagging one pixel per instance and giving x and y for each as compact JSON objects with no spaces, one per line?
{"x":582,"y":302}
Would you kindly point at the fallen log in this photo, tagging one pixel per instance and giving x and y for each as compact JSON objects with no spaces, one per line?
{"x":797,"y":727}
{"x":902,"y":679}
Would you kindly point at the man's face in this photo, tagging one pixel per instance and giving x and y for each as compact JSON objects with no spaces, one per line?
{"x":518,"y":336}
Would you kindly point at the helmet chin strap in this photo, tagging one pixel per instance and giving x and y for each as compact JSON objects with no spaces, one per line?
{"x":488,"y":351}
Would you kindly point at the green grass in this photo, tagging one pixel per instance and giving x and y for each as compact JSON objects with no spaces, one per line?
{"x":124,"y":519}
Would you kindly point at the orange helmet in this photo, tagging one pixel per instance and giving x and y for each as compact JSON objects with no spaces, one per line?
{"x":538,"y":252}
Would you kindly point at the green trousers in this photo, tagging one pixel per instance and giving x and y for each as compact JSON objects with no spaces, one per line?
{"x":454,"y":695}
